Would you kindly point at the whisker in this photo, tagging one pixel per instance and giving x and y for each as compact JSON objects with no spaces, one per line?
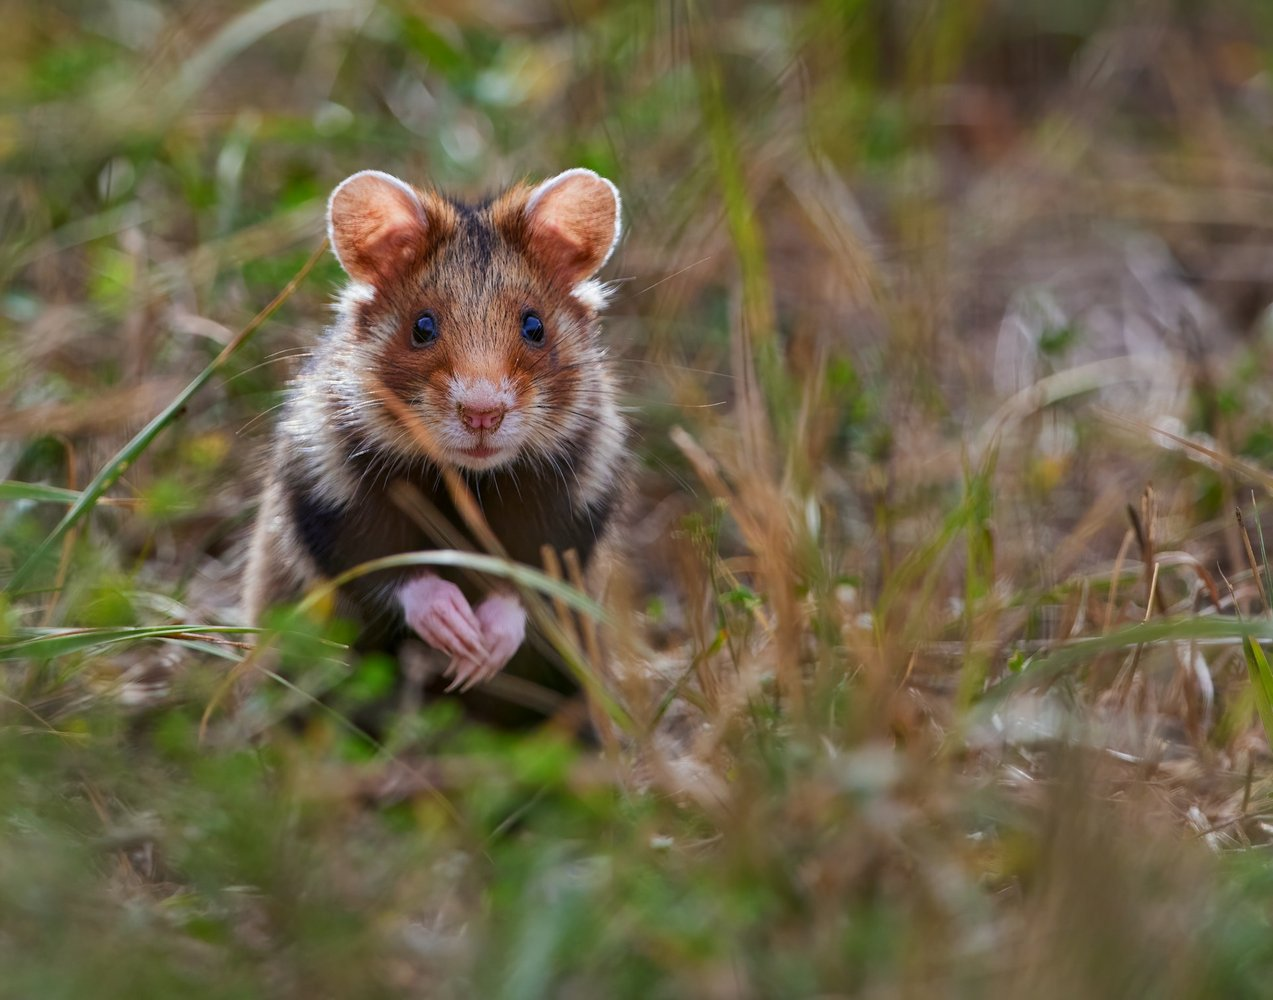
{"x":259,"y":417}
{"x":675,"y":274}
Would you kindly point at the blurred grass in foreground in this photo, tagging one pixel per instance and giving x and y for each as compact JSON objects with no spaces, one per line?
{"x":945,"y":325}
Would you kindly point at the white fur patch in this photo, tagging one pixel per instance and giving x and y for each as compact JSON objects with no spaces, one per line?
{"x":481,"y":392}
{"x":593,"y":294}
{"x":354,"y":293}
{"x":595,"y":477}
{"x":307,"y":426}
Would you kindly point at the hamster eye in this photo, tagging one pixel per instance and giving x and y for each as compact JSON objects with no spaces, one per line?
{"x":425,"y":330}
{"x":532,"y":328}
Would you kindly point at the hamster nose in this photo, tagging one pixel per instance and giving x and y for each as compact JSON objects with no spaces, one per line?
{"x":486,"y":418}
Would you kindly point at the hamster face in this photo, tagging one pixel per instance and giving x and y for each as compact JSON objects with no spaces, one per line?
{"x":459,"y":344}
{"x":480,"y":320}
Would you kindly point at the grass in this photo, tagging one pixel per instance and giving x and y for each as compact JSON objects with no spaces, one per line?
{"x":938,"y":660}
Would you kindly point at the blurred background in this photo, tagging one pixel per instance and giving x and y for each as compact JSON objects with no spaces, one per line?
{"x":944,"y":325}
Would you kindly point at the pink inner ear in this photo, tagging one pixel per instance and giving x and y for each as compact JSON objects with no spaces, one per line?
{"x":574,"y":223}
{"x":378,"y":226}
{"x":564,"y":245}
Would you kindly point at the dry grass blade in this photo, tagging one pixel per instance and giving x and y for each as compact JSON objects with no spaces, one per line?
{"x":116,"y":467}
{"x":1195,"y":449}
{"x":108,"y":411}
{"x":560,"y":635}
{"x":321,"y":596}
{"x":917,"y":712}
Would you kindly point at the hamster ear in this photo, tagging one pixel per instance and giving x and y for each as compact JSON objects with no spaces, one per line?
{"x":572,"y":223}
{"x":378,"y":226}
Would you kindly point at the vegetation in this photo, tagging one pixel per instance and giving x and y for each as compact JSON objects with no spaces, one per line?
{"x":937,"y":658}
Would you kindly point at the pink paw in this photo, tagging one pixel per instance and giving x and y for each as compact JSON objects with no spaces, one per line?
{"x":440,"y":615}
{"x":503,"y":621}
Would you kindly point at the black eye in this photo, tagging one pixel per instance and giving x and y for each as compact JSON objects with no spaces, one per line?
{"x":532,"y":329}
{"x":425,"y":330}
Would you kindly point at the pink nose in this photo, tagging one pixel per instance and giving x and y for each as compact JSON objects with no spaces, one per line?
{"x":485,"y":419}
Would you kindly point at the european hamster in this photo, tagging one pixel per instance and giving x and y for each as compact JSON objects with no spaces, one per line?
{"x":467,"y":339}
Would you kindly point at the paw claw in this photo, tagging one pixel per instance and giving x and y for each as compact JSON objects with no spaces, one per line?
{"x":479,"y":642}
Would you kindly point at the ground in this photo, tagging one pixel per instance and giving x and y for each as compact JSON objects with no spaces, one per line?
{"x":934,"y":661}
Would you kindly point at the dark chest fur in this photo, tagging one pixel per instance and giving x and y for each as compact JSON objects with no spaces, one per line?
{"x":526,"y":507}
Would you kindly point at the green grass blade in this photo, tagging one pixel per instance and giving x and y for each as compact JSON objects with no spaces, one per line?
{"x":38,"y":492}
{"x":1257,"y":665}
{"x":1044,"y":668}
{"x":979,"y":574}
{"x":116,"y":467}
{"x":45,"y":644}
{"x":107,"y":477}
{"x":522,"y":575}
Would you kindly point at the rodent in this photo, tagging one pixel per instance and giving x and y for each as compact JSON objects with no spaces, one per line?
{"x":480,"y":324}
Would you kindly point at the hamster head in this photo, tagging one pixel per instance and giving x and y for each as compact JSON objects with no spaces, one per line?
{"x":481,"y":319}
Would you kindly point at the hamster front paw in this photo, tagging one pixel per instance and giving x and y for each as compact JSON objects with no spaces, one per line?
{"x":503,"y":622}
{"x":439,"y":613}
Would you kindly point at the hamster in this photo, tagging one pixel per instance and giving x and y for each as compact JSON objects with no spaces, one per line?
{"x":467,"y":339}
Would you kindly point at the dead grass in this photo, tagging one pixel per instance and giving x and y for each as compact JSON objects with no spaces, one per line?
{"x":944,"y":325}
